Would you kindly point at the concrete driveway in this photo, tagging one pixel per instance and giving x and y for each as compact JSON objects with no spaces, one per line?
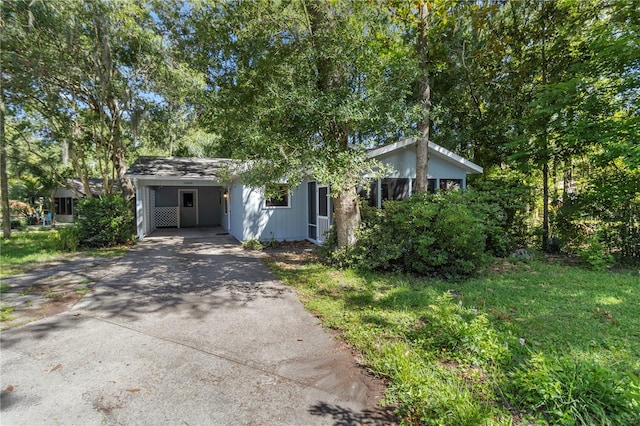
{"x":187,"y":329}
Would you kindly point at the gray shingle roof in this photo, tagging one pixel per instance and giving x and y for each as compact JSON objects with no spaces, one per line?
{"x":177,"y":167}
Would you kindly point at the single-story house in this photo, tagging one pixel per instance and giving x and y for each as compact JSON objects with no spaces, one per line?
{"x":190,"y":192}
{"x":66,"y":198}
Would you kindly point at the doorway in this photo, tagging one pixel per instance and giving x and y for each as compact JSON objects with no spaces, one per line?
{"x":188,"y":199}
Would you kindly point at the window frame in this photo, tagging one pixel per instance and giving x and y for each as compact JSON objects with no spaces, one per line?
{"x":286,"y":190}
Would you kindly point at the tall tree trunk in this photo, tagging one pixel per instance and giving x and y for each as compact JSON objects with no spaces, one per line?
{"x":422,"y":144}
{"x":4,"y":183}
{"x":545,"y":206}
{"x":347,"y":216}
{"x":330,"y":79}
{"x":545,"y":153}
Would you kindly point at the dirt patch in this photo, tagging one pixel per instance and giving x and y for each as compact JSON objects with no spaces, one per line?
{"x":42,"y":300}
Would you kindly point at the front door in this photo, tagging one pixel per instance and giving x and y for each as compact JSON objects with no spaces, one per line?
{"x":324,"y":212}
{"x":188,"y":199}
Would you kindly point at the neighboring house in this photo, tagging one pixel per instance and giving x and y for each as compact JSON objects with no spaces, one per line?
{"x":66,"y":198}
{"x":190,"y":192}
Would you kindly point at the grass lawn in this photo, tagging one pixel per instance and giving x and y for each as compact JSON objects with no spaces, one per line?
{"x":525,"y":343}
{"x":28,"y":249}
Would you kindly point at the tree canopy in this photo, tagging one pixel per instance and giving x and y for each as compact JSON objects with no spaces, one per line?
{"x":548,"y":89}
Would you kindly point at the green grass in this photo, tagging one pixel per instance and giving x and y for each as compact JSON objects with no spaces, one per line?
{"x":524,"y":343}
{"x":29,"y":249}
{"x":6,"y":313}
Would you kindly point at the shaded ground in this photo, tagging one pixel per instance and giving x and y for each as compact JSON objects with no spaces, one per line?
{"x":51,"y":289}
{"x":184,"y":329}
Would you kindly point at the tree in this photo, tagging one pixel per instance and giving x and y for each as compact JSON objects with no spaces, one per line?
{"x":4,"y":183}
{"x":301,"y":89}
{"x":424,"y":93}
{"x":84,"y":68}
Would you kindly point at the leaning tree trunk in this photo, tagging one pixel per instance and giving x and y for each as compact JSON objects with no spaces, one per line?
{"x":422,"y":144}
{"x":118,"y":153}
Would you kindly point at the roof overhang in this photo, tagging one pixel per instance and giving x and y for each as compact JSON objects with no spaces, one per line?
{"x":179,"y":169}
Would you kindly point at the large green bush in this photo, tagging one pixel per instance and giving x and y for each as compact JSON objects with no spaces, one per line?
{"x":503,"y":197}
{"x":425,"y":234}
{"x":104,"y":222}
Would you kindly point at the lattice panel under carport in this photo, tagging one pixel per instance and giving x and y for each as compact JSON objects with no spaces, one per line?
{"x":166,"y":216}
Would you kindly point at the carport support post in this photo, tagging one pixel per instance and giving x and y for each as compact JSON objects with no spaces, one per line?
{"x":139,"y":210}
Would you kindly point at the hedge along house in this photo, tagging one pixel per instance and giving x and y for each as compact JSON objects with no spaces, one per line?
{"x":188,"y":192}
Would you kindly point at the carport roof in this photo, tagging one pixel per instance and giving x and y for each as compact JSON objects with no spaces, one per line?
{"x":174,"y":167}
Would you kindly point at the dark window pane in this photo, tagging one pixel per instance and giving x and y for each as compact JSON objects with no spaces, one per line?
{"x":187,"y":199}
{"x":397,"y":189}
{"x":323,"y":202}
{"x":311,"y":198}
{"x":312,"y":232}
{"x":431,"y":188}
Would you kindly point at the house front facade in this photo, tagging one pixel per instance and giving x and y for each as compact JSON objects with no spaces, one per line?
{"x":189,"y":192}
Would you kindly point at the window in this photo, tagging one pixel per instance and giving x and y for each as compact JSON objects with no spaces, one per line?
{"x":431,"y":185}
{"x":278,"y":197}
{"x":187,"y":199}
{"x":323,"y":201}
{"x":64,"y":206}
{"x":450,"y":184}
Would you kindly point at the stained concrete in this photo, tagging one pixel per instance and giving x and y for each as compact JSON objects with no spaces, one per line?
{"x":188,"y":329}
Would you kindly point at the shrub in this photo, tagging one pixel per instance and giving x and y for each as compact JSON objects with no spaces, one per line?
{"x":252,"y":244}
{"x":503,"y":197}
{"x":424,"y":234}
{"x":574,"y":392}
{"x":105,"y":222}
{"x":18,"y":224}
{"x":68,"y":238}
{"x":460,"y":334}
{"x":595,"y":255}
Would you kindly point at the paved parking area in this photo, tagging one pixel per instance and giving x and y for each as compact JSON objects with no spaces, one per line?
{"x":186,"y":329}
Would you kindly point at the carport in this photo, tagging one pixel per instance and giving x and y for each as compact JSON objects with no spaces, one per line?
{"x":179,"y":193}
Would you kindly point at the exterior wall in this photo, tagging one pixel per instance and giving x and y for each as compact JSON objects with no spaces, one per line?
{"x":250,"y":219}
{"x":64,"y":193}
{"x":404,"y":163}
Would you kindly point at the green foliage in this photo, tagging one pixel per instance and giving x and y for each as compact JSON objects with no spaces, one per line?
{"x":69,"y":238}
{"x":570,"y":391}
{"x":503,"y":196}
{"x":252,"y":244}
{"x":26,"y":248}
{"x":459,"y":334}
{"x":6,"y":313}
{"x":105,"y":222}
{"x":425,"y":234}
{"x":18,"y":224}
{"x":585,"y":369}
{"x":595,"y":255}
{"x":604,"y":216}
